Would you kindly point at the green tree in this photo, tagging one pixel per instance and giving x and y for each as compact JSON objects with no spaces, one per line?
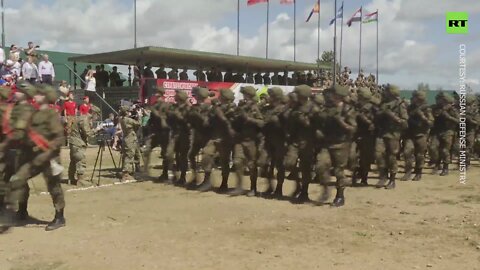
{"x":327,"y":56}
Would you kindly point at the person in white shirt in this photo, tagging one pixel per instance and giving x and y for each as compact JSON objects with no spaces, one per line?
{"x":30,"y":71}
{"x":2,"y":56}
{"x":46,"y":71}
{"x":14,"y":54}
{"x":91,"y":84}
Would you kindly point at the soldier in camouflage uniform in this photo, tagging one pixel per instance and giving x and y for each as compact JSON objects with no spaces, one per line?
{"x":45,"y":138}
{"x":247,"y":126}
{"x":392,"y":120}
{"x":302,"y":138}
{"x":420,"y":121}
{"x":221,"y":141}
{"x":339,"y":122}
{"x":365,"y":135}
{"x":473,"y":123}
{"x":4,"y":95}
{"x":448,"y":119}
{"x":275,"y":139}
{"x":130,"y":143}
{"x":78,"y":138}
{"x":198,"y":119}
{"x":433,"y":138}
{"x":159,"y":133}
{"x":180,"y":140}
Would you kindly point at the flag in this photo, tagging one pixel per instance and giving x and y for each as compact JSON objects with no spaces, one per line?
{"x":287,"y":2}
{"x":339,"y":15}
{"x":315,"y":9}
{"x":372,"y":17}
{"x":253,"y":2}
{"x":355,"y":18}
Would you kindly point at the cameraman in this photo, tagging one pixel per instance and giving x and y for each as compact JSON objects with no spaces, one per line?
{"x":131,"y":154}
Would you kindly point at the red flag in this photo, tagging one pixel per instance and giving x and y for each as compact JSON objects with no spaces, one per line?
{"x":253,"y":2}
{"x":287,"y":1}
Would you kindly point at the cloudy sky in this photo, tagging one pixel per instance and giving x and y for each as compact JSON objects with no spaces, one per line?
{"x":414,"y":46}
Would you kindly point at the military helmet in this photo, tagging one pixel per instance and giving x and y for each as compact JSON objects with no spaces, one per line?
{"x":319,"y":99}
{"x":200,"y":92}
{"x":448,"y":98}
{"x":123,"y":110}
{"x":303,"y":90}
{"x":393,"y":90}
{"x":181,"y":96}
{"x":227,"y":94}
{"x":422,"y":95}
{"x":275,"y":92}
{"x":340,"y":90}
{"x":248,"y":90}
{"x":26,"y":88}
{"x":364,"y":93}
{"x":5,"y":92}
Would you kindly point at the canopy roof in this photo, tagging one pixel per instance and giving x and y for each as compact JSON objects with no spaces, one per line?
{"x":196,"y":59}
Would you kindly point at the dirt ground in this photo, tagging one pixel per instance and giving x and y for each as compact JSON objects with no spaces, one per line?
{"x":432,"y":224}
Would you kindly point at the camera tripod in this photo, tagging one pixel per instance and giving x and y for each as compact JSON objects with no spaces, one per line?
{"x":102,"y":142}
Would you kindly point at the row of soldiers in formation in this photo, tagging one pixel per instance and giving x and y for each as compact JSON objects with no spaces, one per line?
{"x":31,"y":136}
{"x":316,"y":135}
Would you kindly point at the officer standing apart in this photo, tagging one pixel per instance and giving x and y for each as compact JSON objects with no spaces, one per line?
{"x":130,"y":143}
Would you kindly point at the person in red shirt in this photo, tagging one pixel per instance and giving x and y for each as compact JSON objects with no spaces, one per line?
{"x":70,"y":112}
{"x":85,"y":107}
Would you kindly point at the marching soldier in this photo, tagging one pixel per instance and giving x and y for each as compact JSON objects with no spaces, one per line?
{"x":473,"y":123}
{"x":130,"y":143}
{"x":198,"y":120}
{"x":339,"y":127}
{"x":80,"y":133}
{"x":221,"y":141}
{"x":448,"y":119}
{"x":415,"y":144}
{"x":160,"y":133}
{"x":180,"y":140}
{"x":247,"y":125}
{"x":392,"y":120}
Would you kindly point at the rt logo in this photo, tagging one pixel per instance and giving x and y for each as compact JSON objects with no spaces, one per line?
{"x":457,"y":23}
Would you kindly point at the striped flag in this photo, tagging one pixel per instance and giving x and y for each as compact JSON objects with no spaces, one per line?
{"x":287,"y":2}
{"x":315,"y":9}
{"x":372,"y":17}
{"x":338,"y":16}
{"x":253,"y":2}
{"x":355,"y":17}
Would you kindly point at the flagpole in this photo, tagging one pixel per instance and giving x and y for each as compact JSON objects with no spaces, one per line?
{"x":134,"y":23}
{"x":268,"y":14}
{"x":360,"y":49}
{"x":238,"y":27}
{"x":295,"y":30}
{"x":318,"y":32}
{"x":377,"y":47}
{"x":341,"y":37}
{"x":335,"y":47}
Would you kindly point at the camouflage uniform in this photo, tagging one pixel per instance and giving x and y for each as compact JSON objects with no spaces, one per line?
{"x":448,"y":119}
{"x":392,"y":120}
{"x":78,"y":140}
{"x":159,"y":133}
{"x":247,"y":126}
{"x":473,"y":124}
{"x":198,"y":119}
{"x":339,"y":122}
{"x":415,"y":142}
{"x":301,"y":146}
{"x":130,"y":143}
{"x":180,"y":140}
{"x":220,"y":142}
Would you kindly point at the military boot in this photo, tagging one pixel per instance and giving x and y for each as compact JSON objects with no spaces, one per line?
{"x":436,"y":169}
{"x":164,"y":177}
{"x":278,"y":193}
{"x":57,"y":222}
{"x":206,"y":185}
{"x":382,"y":179}
{"x":224,"y":186}
{"x":193,"y":183}
{"x":444,"y":170}
{"x":22,"y":214}
{"x":355,"y":174}
{"x":303,"y":196}
{"x":7,"y":220}
{"x":391,"y":182}
{"x":418,"y":175}
{"x":407,"y":176}
{"x":238,"y":189}
{"x":364,"y":181}
{"x":339,"y":198}
{"x":182,"y":180}
{"x":253,"y":188}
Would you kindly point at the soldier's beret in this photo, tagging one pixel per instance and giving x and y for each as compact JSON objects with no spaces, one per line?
{"x":227,"y":94}
{"x":181,"y":95}
{"x":448,"y":98}
{"x":248,"y":90}
{"x":5,"y":92}
{"x":471,"y":99}
{"x":319,"y":99}
{"x":303,"y":90}
{"x":364,"y":93}
{"x":200,"y":92}
{"x":393,"y":90}
{"x":420,"y":94}
{"x":275,"y":92}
